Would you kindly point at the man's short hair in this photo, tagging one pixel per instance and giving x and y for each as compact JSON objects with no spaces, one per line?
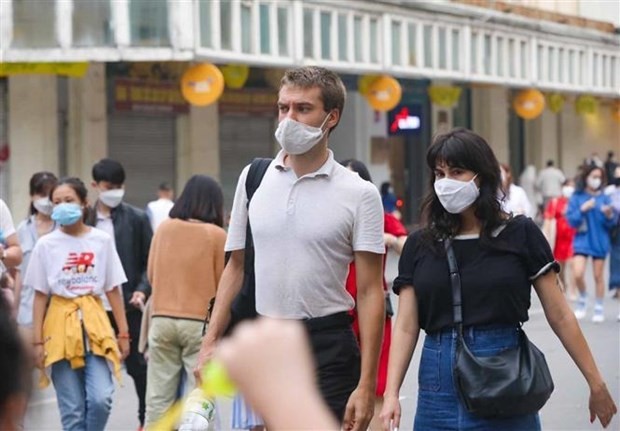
{"x":549,"y":162}
{"x":109,"y":170}
{"x":165,"y":187}
{"x":333,"y":92}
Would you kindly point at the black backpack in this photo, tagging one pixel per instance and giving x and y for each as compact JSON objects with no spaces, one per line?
{"x":244,"y":305}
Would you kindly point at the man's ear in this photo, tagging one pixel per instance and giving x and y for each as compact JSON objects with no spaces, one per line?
{"x":334,"y":118}
{"x":93,"y":184}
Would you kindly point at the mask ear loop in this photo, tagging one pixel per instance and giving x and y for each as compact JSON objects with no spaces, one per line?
{"x":325,"y":121}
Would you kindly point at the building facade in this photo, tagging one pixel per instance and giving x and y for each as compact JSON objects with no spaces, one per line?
{"x":125,"y":102}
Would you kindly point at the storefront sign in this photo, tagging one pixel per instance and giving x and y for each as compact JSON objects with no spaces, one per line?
{"x":405,"y":120}
{"x":248,"y":101}
{"x":74,"y":70}
{"x":149,"y":96}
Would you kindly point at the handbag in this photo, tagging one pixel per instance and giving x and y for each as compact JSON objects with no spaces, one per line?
{"x":514,"y":382}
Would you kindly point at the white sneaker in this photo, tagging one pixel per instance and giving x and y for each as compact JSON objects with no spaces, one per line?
{"x":580,"y":312}
{"x":599,"y":315}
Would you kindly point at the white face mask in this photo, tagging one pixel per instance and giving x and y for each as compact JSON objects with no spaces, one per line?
{"x":298,"y":138}
{"x":456,"y":196}
{"x":567,"y":191}
{"x":43,"y":205}
{"x":594,"y":183}
{"x":112,"y":198}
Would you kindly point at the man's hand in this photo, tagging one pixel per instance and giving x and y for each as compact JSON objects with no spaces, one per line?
{"x":207,"y":349}
{"x":138,"y":299}
{"x":360,"y":409}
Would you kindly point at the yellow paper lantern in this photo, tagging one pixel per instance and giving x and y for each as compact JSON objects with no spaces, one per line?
{"x":615,"y":111}
{"x":446,"y":96}
{"x":235,"y":75}
{"x":384,"y":93}
{"x":203,"y":84}
{"x":364,"y":82}
{"x":529,"y":104}
{"x":586,"y":104}
{"x":556,"y":102}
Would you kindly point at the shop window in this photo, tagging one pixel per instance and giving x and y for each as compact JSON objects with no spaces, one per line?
{"x":246,"y":28}
{"x":595,"y":70}
{"x":428,"y":45}
{"x":541,"y":63}
{"x":475,"y":52}
{"x":456,"y":50}
{"x":225,"y":24}
{"x":396,"y":42}
{"x":552,"y":64}
{"x":326,"y":35}
{"x":582,"y":68}
{"x":443,"y":49}
{"x":357,"y":39}
{"x":33,"y":24}
{"x":615,"y":78}
{"x":572,"y":67}
{"x":92,"y":23}
{"x":283,"y":24}
{"x":342,"y":37}
{"x":265,"y":40}
{"x":413,"y":44}
{"x":206,"y":39}
{"x":308,"y":33}
{"x":486,"y":61}
{"x":606,"y":80}
{"x":374,"y":40}
{"x":512,"y":58}
{"x":148,"y":20}
{"x":562,"y":65}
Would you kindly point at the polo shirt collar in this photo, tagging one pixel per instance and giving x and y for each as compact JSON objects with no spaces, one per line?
{"x":324,"y":171}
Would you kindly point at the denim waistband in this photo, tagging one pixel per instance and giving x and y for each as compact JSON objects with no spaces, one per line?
{"x":472,"y":331}
{"x":331,"y":321}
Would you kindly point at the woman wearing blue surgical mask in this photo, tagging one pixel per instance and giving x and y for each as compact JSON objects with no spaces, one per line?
{"x":591,"y":213}
{"x":499,"y":257}
{"x":38,"y":224}
{"x":73,"y":339}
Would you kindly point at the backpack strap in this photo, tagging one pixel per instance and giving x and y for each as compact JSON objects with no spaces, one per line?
{"x":257,"y":171}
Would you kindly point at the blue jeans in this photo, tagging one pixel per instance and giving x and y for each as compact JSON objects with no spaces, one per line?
{"x":84,"y":394}
{"x":439,"y":407}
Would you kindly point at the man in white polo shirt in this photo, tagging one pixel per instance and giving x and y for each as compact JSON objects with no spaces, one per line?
{"x":310,"y":218}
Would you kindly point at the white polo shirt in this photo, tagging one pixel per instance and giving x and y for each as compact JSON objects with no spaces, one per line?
{"x":305,"y":232}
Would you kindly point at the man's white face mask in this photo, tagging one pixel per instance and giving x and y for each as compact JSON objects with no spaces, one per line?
{"x":297,"y":138}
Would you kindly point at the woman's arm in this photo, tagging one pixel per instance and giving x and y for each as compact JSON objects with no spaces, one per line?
{"x":11,"y":253}
{"x":115,"y":297}
{"x":564,"y":324}
{"x":404,"y":339}
{"x":38,"y":314}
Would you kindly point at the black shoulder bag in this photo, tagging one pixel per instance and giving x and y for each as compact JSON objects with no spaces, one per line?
{"x":514,"y":382}
{"x":244,"y":305}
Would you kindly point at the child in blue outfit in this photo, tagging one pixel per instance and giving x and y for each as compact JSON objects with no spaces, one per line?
{"x":590,"y":212}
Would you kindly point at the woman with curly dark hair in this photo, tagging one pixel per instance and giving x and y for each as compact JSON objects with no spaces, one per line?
{"x":499,"y":257}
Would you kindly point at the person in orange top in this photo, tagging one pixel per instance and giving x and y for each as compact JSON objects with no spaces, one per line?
{"x":395,"y":235}
{"x":564,"y":233}
{"x":186,"y":261}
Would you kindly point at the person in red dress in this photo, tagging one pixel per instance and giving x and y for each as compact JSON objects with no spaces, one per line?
{"x":394,"y":236}
{"x":564,"y":233}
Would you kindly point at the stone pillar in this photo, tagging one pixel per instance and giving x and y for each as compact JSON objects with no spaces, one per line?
{"x":490,"y":118}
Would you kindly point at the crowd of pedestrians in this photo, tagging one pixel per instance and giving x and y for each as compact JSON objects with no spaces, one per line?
{"x":97,"y":284}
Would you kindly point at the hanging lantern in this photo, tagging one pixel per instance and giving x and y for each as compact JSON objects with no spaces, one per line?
{"x":235,"y":75}
{"x":203,"y":84}
{"x":364,"y":82}
{"x":556,"y":102}
{"x":615,"y":111}
{"x":586,"y":104}
{"x":384,"y":93}
{"x":529,"y":104}
{"x":445,"y":96}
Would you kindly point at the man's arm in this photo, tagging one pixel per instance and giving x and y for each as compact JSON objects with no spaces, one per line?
{"x":228,"y":288}
{"x":146,"y":235}
{"x":371,"y":316}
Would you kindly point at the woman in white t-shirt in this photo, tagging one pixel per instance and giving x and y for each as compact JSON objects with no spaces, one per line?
{"x":73,"y":337}
{"x":516,"y":201}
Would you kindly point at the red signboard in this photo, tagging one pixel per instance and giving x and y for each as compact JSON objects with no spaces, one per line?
{"x":161,"y":97}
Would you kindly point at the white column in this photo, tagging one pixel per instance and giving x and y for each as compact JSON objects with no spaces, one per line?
{"x":490,"y":118}
{"x":33,"y":134}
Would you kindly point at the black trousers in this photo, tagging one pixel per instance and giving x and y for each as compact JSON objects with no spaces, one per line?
{"x":135,"y":362}
{"x":337,"y":359}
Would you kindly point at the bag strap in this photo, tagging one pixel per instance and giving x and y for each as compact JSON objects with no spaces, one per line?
{"x":455,"y":281}
{"x":257,"y":171}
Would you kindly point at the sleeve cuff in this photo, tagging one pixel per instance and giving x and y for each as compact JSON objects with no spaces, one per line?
{"x":555,"y":266}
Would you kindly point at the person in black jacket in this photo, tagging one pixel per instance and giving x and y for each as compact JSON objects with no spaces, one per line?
{"x":132,"y":233}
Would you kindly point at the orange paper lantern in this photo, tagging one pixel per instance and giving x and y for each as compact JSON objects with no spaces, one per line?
{"x":529,"y":104}
{"x":384,"y":93}
{"x":203,"y":84}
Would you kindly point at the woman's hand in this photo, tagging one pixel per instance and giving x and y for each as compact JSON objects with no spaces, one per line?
{"x":588,"y":205}
{"x":390,"y":413}
{"x":123,"y":346}
{"x":38,"y":354}
{"x":601,"y":405}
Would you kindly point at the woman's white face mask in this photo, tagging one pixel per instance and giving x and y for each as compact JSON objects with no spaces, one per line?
{"x":456,"y":196}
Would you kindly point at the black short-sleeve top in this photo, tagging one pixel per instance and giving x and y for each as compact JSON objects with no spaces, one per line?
{"x":495,"y":281}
